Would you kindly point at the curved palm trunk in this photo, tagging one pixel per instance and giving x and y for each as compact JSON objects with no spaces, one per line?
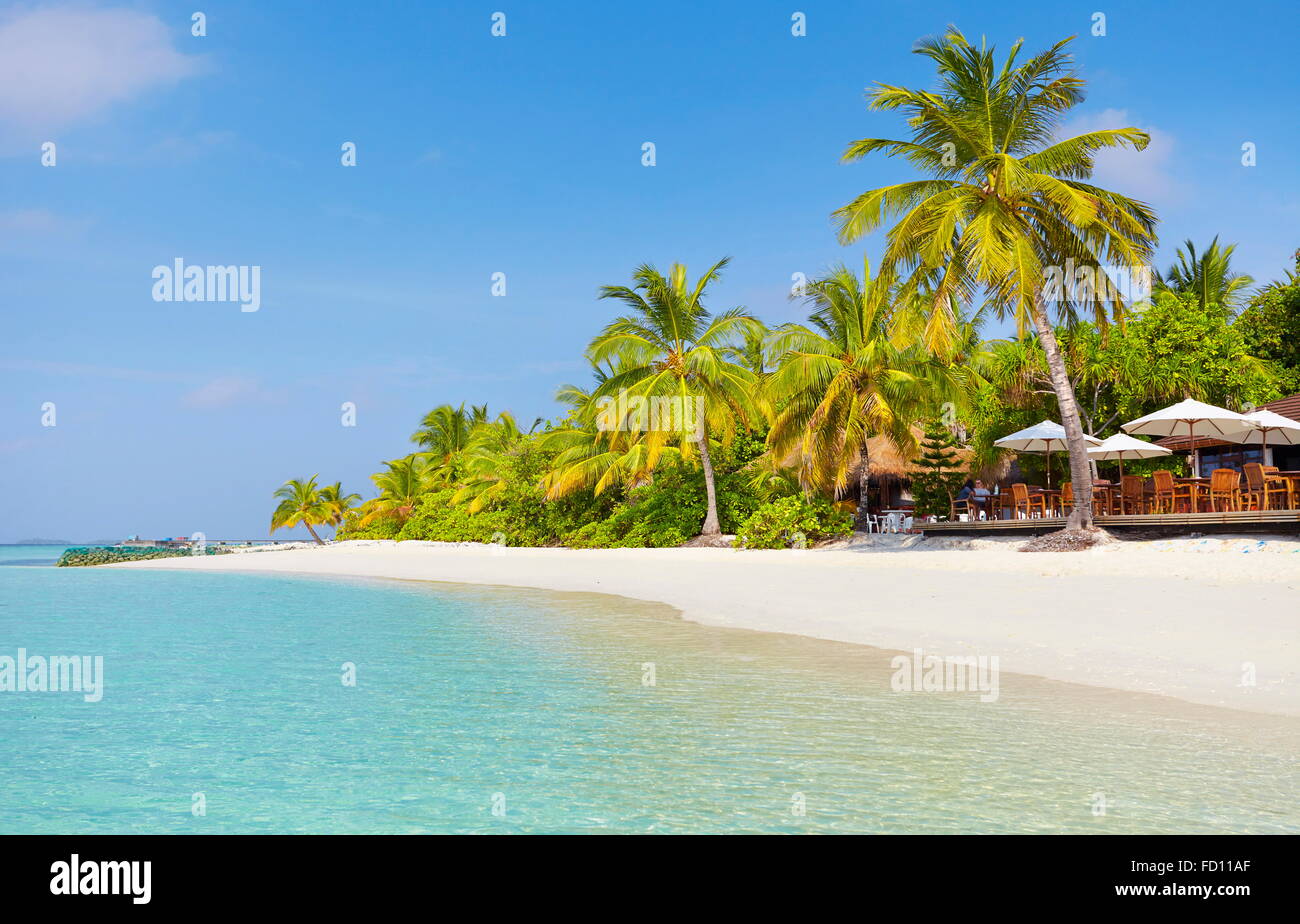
{"x":711,"y":526}
{"x":313,"y":532}
{"x":861,"y":523}
{"x":1080,"y":472}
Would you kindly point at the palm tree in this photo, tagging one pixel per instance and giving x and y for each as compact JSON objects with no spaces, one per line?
{"x":486,"y":460}
{"x":1208,"y":276}
{"x":591,"y":455}
{"x":400,"y":488}
{"x":671,"y":347}
{"x":445,"y":432}
{"x":845,"y":379}
{"x":300,"y":502}
{"x":1003,"y":202}
{"x":337,"y":504}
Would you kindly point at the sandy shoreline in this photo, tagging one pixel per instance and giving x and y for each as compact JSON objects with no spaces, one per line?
{"x":1167,"y":618}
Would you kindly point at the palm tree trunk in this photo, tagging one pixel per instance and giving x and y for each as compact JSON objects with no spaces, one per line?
{"x":313,"y":532}
{"x":860,"y":519}
{"x":1080,"y":475}
{"x":711,"y":527}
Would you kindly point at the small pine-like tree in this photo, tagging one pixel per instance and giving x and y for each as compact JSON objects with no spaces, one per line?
{"x":941,"y":477}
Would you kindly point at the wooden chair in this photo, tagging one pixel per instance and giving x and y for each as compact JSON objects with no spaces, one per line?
{"x":1067,"y":498}
{"x":1261,"y":489}
{"x":1132,"y":496}
{"x":1170,"y":494}
{"x":1103,"y":498}
{"x":1163,"y":502}
{"x":1225,"y":489}
{"x":1024,"y":502}
{"x":1271,"y":472}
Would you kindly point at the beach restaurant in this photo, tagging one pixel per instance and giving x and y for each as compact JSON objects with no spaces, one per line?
{"x":1244,"y":473}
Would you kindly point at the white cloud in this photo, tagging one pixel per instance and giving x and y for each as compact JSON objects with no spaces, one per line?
{"x":222,"y":392}
{"x":38,"y":221}
{"x":62,"y":64}
{"x":1144,"y":175}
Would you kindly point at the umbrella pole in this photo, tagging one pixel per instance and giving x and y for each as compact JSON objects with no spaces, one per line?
{"x":1263,"y":480}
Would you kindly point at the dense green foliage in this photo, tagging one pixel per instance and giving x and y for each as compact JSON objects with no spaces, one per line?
{"x":1270,"y":327}
{"x":793,"y":522}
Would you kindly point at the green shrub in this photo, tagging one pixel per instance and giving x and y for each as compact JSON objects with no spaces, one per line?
{"x":790,"y":522}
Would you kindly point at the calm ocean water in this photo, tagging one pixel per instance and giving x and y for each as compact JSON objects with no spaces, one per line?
{"x":470,"y":698}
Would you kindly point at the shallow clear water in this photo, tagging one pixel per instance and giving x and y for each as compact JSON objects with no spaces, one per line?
{"x":229,"y":685}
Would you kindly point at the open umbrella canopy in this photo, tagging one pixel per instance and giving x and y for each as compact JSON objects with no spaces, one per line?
{"x":1123,"y":446}
{"x":1047,"y":436}
{"x":1269,"y":427}
{"x":1190,"y":418}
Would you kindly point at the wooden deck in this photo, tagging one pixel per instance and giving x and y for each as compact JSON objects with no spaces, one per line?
{"x":1271,"y":521}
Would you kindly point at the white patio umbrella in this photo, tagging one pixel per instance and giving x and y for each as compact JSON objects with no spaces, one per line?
{"x":1121,"y":446}
{"x":1193,"y":418}
{"x":1046,"y":437}
{"x":1273,"y":429}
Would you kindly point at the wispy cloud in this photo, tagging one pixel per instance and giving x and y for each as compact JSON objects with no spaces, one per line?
{"x":224,"y":391}
{"x":39,"y":221}
{"x":43,"y":367}
{"x":1145,"y":175}
{"x":62,"y":64}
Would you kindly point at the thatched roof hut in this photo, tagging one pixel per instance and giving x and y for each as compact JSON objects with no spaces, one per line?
{"x":888,"y":464}
{"x":887,"y":461}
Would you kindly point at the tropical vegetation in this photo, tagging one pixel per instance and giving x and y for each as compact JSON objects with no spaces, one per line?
{"x":699,"y":421}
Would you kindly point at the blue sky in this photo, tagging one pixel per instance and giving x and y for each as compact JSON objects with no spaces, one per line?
{"x":475,"y":155}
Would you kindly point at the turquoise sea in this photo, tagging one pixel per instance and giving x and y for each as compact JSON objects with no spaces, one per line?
{"x":493,"y":710}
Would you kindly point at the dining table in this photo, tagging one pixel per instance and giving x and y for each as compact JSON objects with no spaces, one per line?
{"x":1103,"y":496}
{"x":1198,"y":483}
{"x":1292,"y":486}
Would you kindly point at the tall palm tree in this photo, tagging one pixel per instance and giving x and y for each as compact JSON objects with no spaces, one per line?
{"x":845,"y":379}
{"x":337,"y":504}
{"x":300,"y":502}
{"x":1003,"y":201}
{"x":400,"y":488}
{"x":1208,"y":276}
{"x":671,"y":347}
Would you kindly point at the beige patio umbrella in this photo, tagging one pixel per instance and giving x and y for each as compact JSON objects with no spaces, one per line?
{"x":1273,"y":429}
{"x":1046,"y":437}
{"x":1121,"y":446}
{"x":1190,"y":417}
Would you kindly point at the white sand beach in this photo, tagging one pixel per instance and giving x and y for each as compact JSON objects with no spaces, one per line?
{"x":1181,"y":618}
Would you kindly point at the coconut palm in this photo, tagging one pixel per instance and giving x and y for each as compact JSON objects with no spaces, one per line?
{"x":337,"y":504}
{"x":486,"y":459}
{"x":671,"y":347}
{"x":1208,"y":276}
{"x":845,"y":379}
{"x":1004,"y":204}
{"x":591,"y":455}
{"x":445,"y":432}
{"x":300,"y":503}
{"x":400,"y":488}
